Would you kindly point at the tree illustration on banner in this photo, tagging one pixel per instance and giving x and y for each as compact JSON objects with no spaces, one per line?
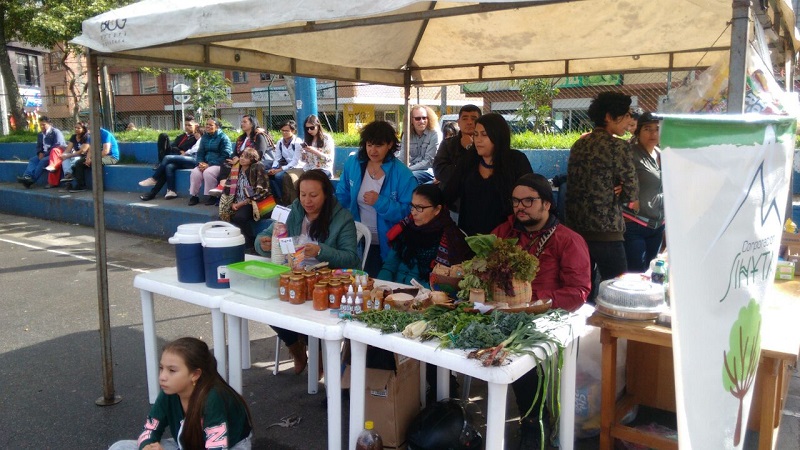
{"x":741,"y":362}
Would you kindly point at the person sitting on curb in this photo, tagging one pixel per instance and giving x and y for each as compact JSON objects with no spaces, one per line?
{"x":253,"y":136}
{"x":285,"y":159}
{"x":109,"y":154}
{"x":49,"y":138}
{"x":77,"y":146}
{"x":564,"y":276}
{"x":165,"y":172}
{"x":317,"y":153}
{"x":215,"y":148}
{"x":183,"y":142}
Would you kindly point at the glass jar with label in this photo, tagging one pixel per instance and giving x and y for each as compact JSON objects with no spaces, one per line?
{"x":297,"y":290}
{"x":335,"y":293}
{"x":310,"y":280}
{"x":320,"y":296}
{"x":283,"y":287}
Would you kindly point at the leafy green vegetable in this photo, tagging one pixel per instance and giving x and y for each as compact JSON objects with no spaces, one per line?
{"x":497,"y":263}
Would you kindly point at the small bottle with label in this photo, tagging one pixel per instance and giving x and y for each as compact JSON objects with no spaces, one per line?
{"x":659,"y":273}
{"x":344,"y":308}
{"x":358,"y":303}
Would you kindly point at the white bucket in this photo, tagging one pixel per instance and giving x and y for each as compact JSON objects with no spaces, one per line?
{"x":223,"y":244}
{"x":189,"y":253}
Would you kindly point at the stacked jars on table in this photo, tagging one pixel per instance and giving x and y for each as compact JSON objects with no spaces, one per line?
{"x":321,"y":287}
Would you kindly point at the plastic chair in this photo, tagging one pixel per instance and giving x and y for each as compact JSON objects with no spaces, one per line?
{"x":362,"y":232}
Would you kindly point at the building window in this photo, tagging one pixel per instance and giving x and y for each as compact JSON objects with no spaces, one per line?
{"x":239,"y":77}
{"x":174,"y":79}
{"x":55,"y":61}
{"x":27,"y":70}
{"x":58,"y":95}
{"x":122,"y":84}
{"x":161,"y":122}
{"x":148,"y":83}
{"x":264,"y":76}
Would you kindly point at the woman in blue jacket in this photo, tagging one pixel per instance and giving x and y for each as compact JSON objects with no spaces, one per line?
{"x":215,"y":148}
{"x":376,"y":188}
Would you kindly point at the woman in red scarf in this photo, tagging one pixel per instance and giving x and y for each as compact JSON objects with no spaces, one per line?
{"x":426,"y":237}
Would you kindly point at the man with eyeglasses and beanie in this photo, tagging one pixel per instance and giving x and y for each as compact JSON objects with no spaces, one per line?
{"x":287,"y":152}
{"x":424,"y":141}
{"x":601,"y":178}
{"x":564,"y":276}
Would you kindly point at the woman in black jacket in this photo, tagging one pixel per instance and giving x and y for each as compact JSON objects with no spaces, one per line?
{"x":484,"y":178}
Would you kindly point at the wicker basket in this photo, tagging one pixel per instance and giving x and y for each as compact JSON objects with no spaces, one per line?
{"x":522,"y":293}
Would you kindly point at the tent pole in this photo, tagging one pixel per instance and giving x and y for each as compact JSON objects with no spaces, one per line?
{"x":407,"y":115}
{"x":740,"y":41}
{"x":108,"y":397}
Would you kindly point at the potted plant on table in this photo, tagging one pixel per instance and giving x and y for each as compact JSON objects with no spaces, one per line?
{"x":500,"y":268}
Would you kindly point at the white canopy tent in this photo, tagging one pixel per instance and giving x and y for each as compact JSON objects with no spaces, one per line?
{"x":415,"y":42}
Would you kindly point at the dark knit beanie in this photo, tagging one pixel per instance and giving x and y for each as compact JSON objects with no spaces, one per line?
{"x":539,"y":184}
{"x":643,"y":120}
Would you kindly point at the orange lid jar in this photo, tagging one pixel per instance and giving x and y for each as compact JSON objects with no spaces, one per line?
{"x":297,"y":290}
{"x":335,"y":292}
{"x":320,"y":296}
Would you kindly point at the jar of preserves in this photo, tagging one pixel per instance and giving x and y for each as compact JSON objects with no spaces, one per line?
{"x":320,"y":296}
{"x":324,"y":272}
{"x":310,"y":280}
{"x":335,"y":293}
{"x":297,"y":290}
{"x":283,"y":287}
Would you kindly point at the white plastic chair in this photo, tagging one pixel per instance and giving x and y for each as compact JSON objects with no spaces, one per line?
{"x":362,"y":232}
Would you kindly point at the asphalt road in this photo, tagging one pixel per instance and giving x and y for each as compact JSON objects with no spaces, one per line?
{"x":51,"y":365}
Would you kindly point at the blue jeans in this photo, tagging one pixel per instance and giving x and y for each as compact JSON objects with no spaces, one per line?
{"x":276,"y":185}
{"x":641,"y":245}
{"x":165,"y":173}
{"x":36,"y":167}
{"x":423,"y":176}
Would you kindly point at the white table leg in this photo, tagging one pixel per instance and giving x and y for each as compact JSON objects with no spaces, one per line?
{"x":358,"y":383}
{"x":442,"y":383}
{"x":313,"y":365}
{"x":235,"y":340}
{"x":333,"y":391}
{"x":246,"y":344}
{"x":150,"y":350}
{"x":218,"y":334}
{"x":566,"y":424}
{"x":496,"y":415}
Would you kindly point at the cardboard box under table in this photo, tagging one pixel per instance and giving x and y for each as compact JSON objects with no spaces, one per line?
{"x":392,"y":399}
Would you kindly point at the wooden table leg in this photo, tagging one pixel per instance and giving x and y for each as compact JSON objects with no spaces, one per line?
{"x":608,"y":388}
{"x":769,"y":399}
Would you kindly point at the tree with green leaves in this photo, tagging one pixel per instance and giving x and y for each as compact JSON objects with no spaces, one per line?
{"x":49,"y":24}
{"x":537,"y":98}
{"x":208,"y":89}
{"x":741,"y":361}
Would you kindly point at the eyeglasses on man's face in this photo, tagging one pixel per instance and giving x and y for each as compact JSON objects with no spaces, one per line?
{"x":420,"y":208}
{"x":526,"y":202}
{"x":420,"y":118}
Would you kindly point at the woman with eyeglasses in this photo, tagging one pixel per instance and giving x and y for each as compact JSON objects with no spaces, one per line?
{"x":376,"y":187}
{"x":484,"y":178}
{"x":287,"y":156}
{"x":424,"y":238}
{"x":248,"y":183}
{"x":316,"y":153}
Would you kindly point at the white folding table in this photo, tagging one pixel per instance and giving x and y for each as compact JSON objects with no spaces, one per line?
{"x":497,"y":378}
{"x":165,"y":282}
{"x":303,"y":319}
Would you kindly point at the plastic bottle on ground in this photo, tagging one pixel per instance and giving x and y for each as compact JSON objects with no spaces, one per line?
{"x":369,"y":439}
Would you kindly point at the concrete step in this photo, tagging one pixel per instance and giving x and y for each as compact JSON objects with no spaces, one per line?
{"x":116,"y":178}
{"x":123,"y":211}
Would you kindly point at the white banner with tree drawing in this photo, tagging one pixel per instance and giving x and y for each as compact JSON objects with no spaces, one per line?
{"x":726,"y":182}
